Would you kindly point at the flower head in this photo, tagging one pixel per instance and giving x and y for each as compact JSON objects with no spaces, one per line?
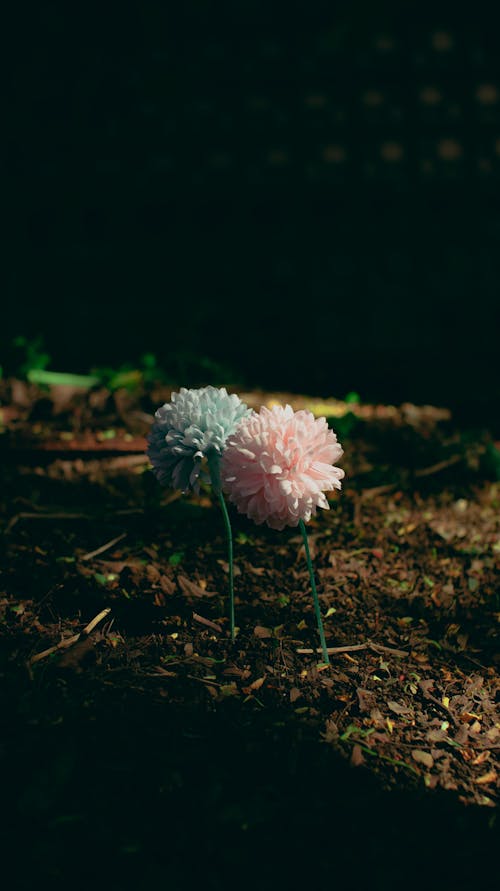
{"x":193,"y":426}
{"x":278,"y":464}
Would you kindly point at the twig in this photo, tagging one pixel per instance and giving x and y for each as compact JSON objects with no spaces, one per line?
{"x":207,"y":622}
{"x":436,"y":468}
{"x":377,"y":648}
{"x":205,"y":681}
{"x":304,"y":651}
{"x":62,"y":515}
{"x":100,"y":616}
{"x":28,"y":515}
{"x":391,"y":650}
{"x":69,"y":641}
{"x":376,"y":490}
{"x":104,"y":547}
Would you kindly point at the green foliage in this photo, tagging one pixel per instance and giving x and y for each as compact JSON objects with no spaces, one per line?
{"x":25,"y":354}
{"x":27,"y":358}
{"x":61,"y":378}
{"x":353,"y":397}
{"x":131,"y":376}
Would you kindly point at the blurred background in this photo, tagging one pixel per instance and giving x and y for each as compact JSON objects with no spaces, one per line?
{"x":302,"y":197}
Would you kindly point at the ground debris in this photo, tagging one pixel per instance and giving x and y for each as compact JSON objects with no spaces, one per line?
{"x":407,"y":562}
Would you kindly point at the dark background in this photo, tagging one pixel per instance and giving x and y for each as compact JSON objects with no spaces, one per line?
{"x":305,"y":193}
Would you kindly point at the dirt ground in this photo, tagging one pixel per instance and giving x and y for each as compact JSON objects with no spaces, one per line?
{"x":139,"y":742}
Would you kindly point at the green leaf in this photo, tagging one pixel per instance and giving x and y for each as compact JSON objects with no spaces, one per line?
{"x":352,"y":397}
{"x":61,"y":378}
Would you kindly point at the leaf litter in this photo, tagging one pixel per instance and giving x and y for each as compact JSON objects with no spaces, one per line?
{"x":407,"y":562}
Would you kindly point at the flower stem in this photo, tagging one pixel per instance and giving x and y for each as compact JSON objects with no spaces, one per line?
{"x":230,"y":561}
{"x":317,"y":610}
{"x":214,"y":468}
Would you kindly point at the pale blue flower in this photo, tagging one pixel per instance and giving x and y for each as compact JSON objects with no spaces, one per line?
{"x":193,"y":426}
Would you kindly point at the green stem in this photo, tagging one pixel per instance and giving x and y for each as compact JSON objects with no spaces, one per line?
{"x":214,"y":468}
{"x":230,"y":561}
{"x":317,"y":610}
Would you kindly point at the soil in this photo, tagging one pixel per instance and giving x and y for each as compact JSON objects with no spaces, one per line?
{"x":140,"y":745}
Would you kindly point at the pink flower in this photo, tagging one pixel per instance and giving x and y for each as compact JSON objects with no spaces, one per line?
{"x":278,"y":464}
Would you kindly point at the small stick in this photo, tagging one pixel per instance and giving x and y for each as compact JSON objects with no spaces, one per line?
{"x":207,"y":622}
{"x":100,"y":616}
{"x":69,"y":641}
{"x":104,"y":547}
{"x":353,"y":647}
{"x":28,"y":515}
{"x":377,"y":490}
{"x":378,"y":648}
{"x":436,"y":468}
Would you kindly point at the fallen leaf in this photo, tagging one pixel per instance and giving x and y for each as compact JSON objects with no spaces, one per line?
{"x":357,"y":758}
{"x":483,"y":756}
{"x":437,"y":735}
{"x":191,"y":589}
{"x":295,"y":693}
{"x":225,"y":567}
{"x":422,"y":757}
{"x":399,"y":709}
{"x":490,"y":777}
{"x":366,"y":699}
{"x":262,"y":632}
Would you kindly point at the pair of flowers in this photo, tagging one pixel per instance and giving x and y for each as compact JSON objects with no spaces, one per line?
{"x":274,"y":466}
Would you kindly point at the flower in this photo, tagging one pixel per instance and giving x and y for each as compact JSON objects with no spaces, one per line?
{"x":278,"y":464}
{"x":193,"y":426}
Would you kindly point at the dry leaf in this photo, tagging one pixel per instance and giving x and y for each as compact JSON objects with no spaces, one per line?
{"x":357,"y":756}
{"x":190,"y":589}
{"x":422,"y":757}
{"x":490,"y":777}
{"x":399,"y":709}
{"x":437,"y":735}
{"x":262,"y":632}
{"x":366,"y":699}
{"x":483,"y":756}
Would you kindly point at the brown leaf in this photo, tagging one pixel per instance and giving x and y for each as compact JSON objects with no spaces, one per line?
{"x":399,"y":709}
{"x":152,"y":574}
{"x":262,"y":632}
{"x":366,"y":699}
{"x":225,"y":567}
{"x":462,"y":734}
{"x":357,"y":758}
{"x":295,"y":693}
{"x":422,"y":757}
{"x":331,"y":733}
{"x":167,"y":585}
{"x":257,"y":570}
{"x":190,"y":589}
{"x":490,"y":777}
{"x":483,"y":756}
{"x":437,"y":735}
